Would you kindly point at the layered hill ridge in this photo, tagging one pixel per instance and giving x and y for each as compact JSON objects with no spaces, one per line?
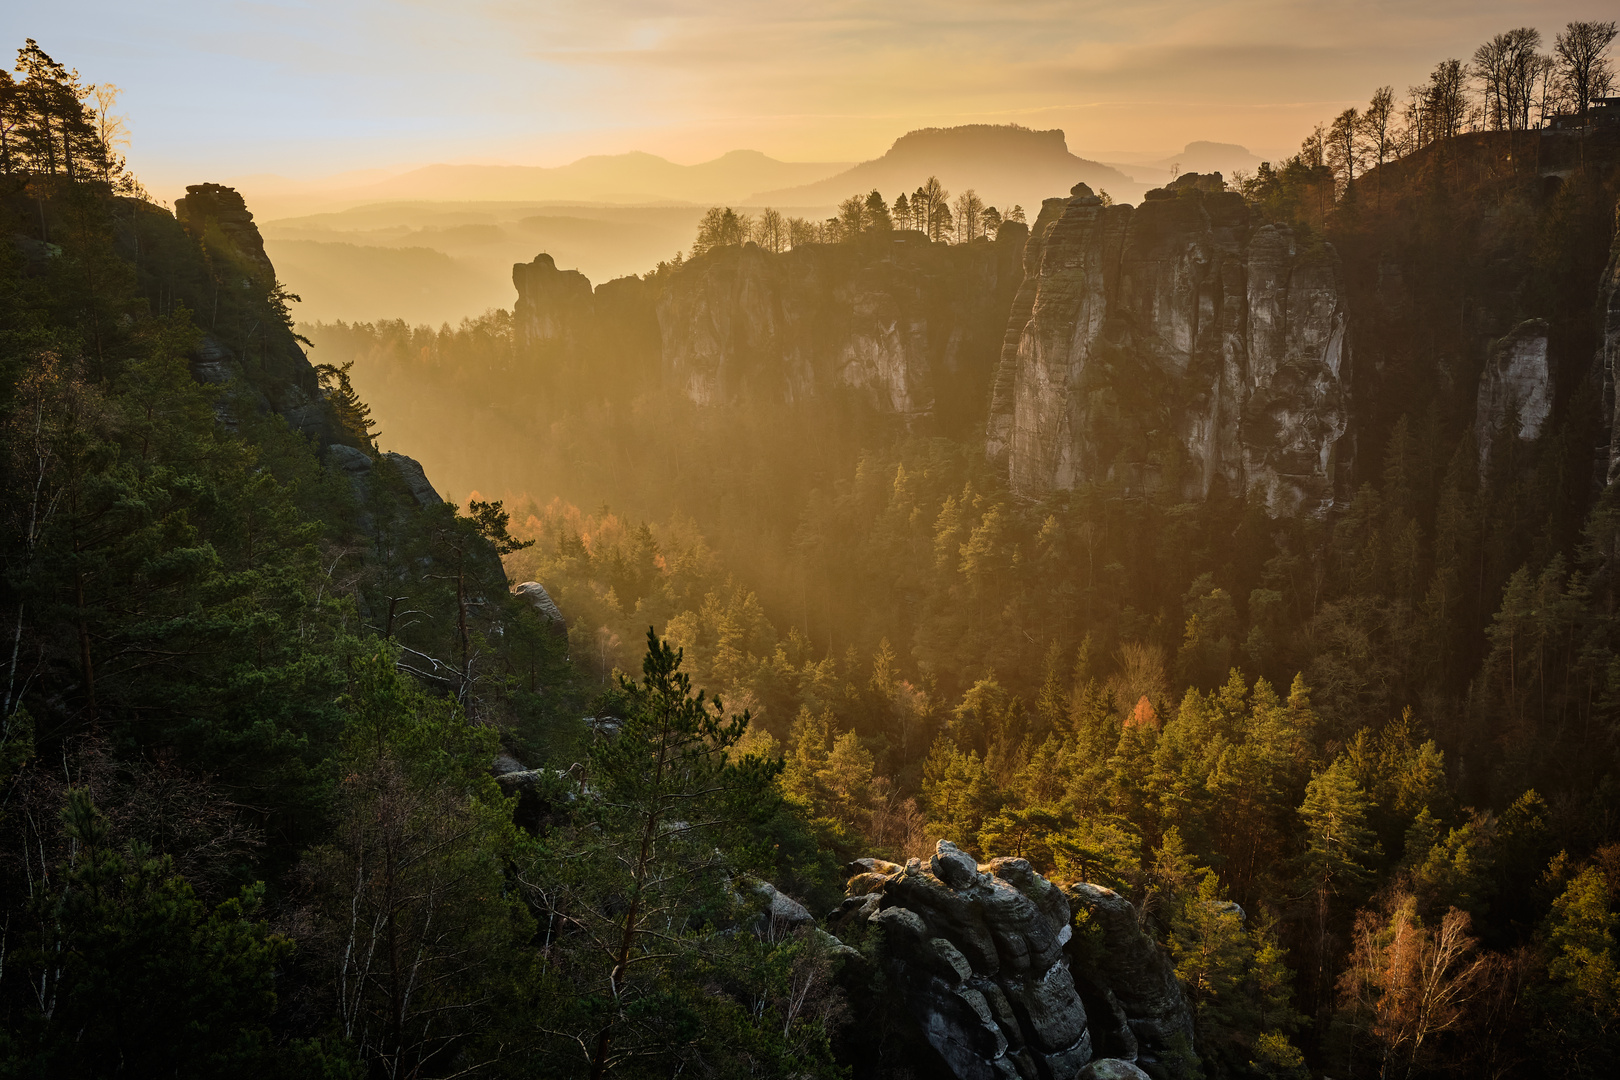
{"x":631,"y":177}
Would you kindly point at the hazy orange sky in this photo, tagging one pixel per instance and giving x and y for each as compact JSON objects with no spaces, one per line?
{"x":220,"y":88}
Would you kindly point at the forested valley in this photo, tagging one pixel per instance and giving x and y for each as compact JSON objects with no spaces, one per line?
{"x":295,"y":785}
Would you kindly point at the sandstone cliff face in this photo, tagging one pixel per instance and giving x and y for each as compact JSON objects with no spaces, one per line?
{"x":283,"y":381}
{"x":909,"y":326}
{"x":996,"y":980}
{"x":1517,"y":377}
{"x":554,"y":307}
{"x":796,"y":325}
{"x":1174,"y":345}
{"x":1608,"y":357}
{"x":218,"y":217}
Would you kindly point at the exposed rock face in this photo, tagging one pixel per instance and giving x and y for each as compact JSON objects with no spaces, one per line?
{"x":410,"y":470}
{"x":1516,"y":377}
{"x":535,"y":593}
{"x":554,"y":307}
{"x":1173,"y":345}
{"x":1608,"y":357}
{"x":909,"y":326}
{"x":895,"y":318}
{"x":1146,"y":1019}
{"x":218,"y":219}
{"x":218,"y":216}
{"x":982,"y":955}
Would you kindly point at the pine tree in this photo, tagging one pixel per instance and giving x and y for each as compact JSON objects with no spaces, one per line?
{"x":668,"y":802}
{"x":353,"y":415}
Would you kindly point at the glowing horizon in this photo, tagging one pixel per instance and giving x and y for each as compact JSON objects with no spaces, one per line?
{"x":306,"y":91}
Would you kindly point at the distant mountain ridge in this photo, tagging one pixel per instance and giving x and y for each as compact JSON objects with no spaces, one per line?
{"x":1004,"y":163}
{"x":631,"y":177}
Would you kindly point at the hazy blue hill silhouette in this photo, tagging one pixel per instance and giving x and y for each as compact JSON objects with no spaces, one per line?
{"x":632,"y":177}
{"x":1004,"y":163}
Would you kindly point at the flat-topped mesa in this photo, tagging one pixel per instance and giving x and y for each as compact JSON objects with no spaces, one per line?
{"x":1174,"y":347}
{"x":991,"y":971}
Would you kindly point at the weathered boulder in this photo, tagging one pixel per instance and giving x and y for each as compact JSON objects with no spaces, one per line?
{"x":1112,"y":1069}
{"x":347,"y":459}
{"x":1139,"y":1009}
{"x":1173,"y":346}
{"x":782,"y":913}
{"x":977,"y":952}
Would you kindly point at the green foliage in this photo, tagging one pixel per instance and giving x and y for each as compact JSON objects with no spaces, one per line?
{"x":135,"y":976}
{"x":1583,"y":965}
{"x":415,"y":924}
{"x":639,"y":883}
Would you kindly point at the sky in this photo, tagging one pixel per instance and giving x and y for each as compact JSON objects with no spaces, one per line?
{"x":217,"y":89}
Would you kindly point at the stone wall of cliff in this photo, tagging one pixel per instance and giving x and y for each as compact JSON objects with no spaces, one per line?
{"x":1174,"y":345}
{"x":911,"y":327}
{"x":1608,"y":357}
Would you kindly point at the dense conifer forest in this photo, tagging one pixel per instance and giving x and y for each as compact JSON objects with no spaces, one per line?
{"x":293,"y":785}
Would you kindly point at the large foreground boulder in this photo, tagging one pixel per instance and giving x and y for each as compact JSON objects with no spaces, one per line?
{"x":982,"y":958}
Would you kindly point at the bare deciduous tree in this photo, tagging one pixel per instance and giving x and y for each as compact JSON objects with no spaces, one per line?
{"x":771,"y":231}
{"x":1344,"y":146}
{"x":934,"y":212}
{"x":1507,"y":67}
{"x":1407,"y":983}
{"x":1583,"y":61}
{"x":969,"y":215}
{"x":800,"y":231}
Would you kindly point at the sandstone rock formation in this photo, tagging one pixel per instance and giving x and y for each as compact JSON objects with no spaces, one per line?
{"x":410,"y":470}
{"x":218,"y":216}
{"x":1516,"y":377}
{"x":1608,"y":358}
{"x":908,"y":326}
{"x":984,"y":957}
{"x":1174,"y":345}
{"x":1138,"y":1010}
{"x":554,"y":307}
{"x":538,"y":598}
{"x":896,"y":319}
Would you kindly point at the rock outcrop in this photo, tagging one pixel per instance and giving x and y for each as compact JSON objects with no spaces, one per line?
{"x":265,"y":363}
{"x":1174,"y":346}
{"x":415,"y":477}
{"x":908,"y":326}
{"x":1517,"y":381}
{"x":539,"y":599}
{"x":217,"y":217}
{"x":1608,"y":357}
{"x":984,"y":956}
{"x":896,"y":319}
{"x":555,"y":308}
{"x":1138,"y":1010}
